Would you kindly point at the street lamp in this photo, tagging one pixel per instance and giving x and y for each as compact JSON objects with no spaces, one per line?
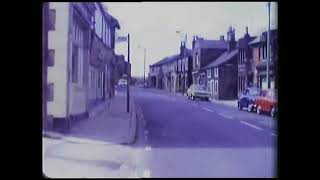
{"x":268,"y":48}
{"x":144,"y":66}
{"x":185,"y":56}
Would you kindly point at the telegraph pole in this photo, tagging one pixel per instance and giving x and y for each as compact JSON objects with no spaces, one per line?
{"x":186,"y":59}
{"x":128,"y":76}
{"x":268,"y":48}
{"x":144,"y":68}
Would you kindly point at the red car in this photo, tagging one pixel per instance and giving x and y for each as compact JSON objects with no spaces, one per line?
{"x":267,"y":101}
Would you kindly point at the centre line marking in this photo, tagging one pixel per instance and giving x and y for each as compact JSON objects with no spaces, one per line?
{"x":250,"y":125}
{"x":207,"y":109}
{"x":221,"y":114}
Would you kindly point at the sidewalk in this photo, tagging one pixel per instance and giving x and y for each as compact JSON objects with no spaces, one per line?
{"x":113,"y":125}
{"x":95,"y":146}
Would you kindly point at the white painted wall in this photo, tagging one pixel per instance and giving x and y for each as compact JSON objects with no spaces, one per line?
{"x":57,"y":74}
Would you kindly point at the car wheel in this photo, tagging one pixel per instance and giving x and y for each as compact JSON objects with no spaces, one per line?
{"x":259,"y":110}
{"x":239,"y":106}
{"x":272,"y":112}
{"x":250,"y":108}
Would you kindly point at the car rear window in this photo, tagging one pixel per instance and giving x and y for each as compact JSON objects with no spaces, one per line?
{"x":201,"y":88}
{"x":254,"y":92}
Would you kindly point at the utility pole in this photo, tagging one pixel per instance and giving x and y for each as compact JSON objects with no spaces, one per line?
{"x":144,"y":68}
{"x":186,"y":59}
{"x":128,"y":76}
{"x":268,"y":48}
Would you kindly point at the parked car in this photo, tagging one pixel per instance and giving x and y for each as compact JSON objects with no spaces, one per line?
{"x":198,"y":91}
{"x":267,"y":101}
{"x":247,"y":98}
{"x":122,"y":83}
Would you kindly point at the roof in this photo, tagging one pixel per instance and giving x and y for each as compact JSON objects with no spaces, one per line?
{"x":226,"y":56}
{"x":211,"y":44}
{"x":167,"y":60}
{"x":243,"y":42}
{"x":273,"y":34}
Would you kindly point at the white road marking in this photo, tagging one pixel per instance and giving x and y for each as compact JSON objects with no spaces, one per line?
{"x":148,"y":148}
{"x":146,"y":173}
{"x":226,"y":116}
{"x":207,"y":109}
{"x":251,"y":125}
{"x":273,"y":134}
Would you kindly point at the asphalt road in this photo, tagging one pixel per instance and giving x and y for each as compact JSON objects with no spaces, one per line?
{"x":185,"y":138}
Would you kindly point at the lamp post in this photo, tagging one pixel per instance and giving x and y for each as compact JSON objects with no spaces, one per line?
{"x":268,"y":48}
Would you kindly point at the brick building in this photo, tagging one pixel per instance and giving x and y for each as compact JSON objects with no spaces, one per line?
{"x":246,"y":66}
{"x":259,"y":51}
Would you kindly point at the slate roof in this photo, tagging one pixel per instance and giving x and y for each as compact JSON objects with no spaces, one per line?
{"x":226,"y":56}
{"x":167,"y":60}
{"x":242,"y":43}
{"x":273,"y":34}
{"x":211,"y":44}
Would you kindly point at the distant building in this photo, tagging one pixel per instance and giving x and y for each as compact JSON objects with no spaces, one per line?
{"x":246,"y":65}
{"x":204,"y":52}
{"x":259,"y":50}
{"x":221,"y":73}
{"x":184,"y":69}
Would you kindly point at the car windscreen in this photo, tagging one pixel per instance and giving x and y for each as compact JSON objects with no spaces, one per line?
{"x":254,"y":92}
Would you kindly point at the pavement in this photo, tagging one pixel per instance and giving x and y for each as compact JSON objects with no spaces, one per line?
{"x":99,"y":146}
{"x":185,"y":138}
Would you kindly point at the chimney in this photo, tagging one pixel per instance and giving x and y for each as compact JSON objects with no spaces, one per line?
{"x":247,"y":30}
{"x":193,"y":42}
{"x":181,"y":49}
{"x":231,"y":39}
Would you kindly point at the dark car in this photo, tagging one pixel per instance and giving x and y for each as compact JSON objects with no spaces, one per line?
{"x":247,"y":99}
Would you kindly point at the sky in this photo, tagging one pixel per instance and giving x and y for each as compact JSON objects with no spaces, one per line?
{"x":154,"y":25}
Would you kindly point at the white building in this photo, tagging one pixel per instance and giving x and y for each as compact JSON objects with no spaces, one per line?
{"x":80,"y":48}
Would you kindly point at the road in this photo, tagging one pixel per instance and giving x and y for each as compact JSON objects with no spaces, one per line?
{"x":185,"y":138}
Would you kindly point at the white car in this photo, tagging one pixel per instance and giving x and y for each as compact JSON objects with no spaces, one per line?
{"x":198,"y":91}
{"x":122,"y":83}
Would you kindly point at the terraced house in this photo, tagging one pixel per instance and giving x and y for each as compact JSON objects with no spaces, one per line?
{"x":172,"y":73}
{"x":221,"y":73}
{"x":259,"y":52}
{"x":204,"y":52}
{"x":246,"y":65}
{"x":81,"y":59}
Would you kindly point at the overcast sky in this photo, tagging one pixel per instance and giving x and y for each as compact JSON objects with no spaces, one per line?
{"x":153,"y":25}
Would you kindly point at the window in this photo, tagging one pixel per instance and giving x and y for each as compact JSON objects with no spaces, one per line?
{"x":216,"y":86}
{"x":50,"y":57}
{"x":102,"y":28}
{"x":74,"y":69}
{"x":197,"y":60}
{"x":216,"y":72}
{"x":52,"y":19}
{"x":50,"y":90}
{"x":209,"y":73}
